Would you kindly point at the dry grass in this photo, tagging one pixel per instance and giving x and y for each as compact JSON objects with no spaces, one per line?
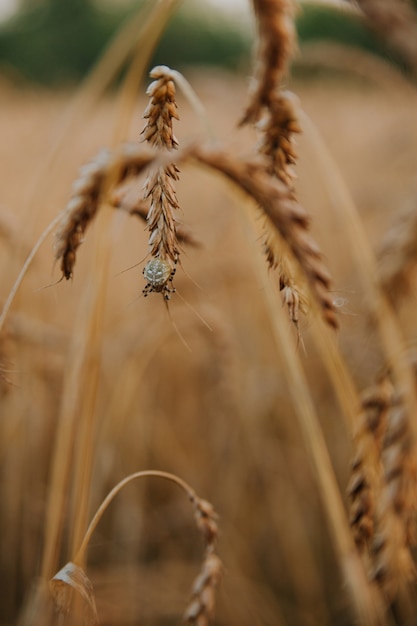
{"x":103,"y":384}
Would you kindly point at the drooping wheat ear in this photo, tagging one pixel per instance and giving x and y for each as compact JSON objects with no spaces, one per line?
{"x":87,"y":197}
{"x":159,"y":185}
{"x":274,"y":109}
{"x":396,"y":22}
{"x":71,"y":583}
{"x":200,"y":610}
{"x":397,"y":257}
{"x":365,"y":481}
{"x":288,"y":217}
{"x":396,"y":513}
{"x":293,"y":298}
{"x":277,"y":42}
{"x":278,"y":127}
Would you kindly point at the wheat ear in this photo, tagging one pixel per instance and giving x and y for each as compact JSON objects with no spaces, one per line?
{"x":288,"y":217}
{"x":365,"y":482}
{"x":163,"y":242}
{"x":86,"y":199}
{"x":397,"y":256}
{"x":393,"y":566}
{"x":276,"y":44}
{"x":273,"y":109}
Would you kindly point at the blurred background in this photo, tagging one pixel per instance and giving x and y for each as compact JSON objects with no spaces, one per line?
{"x":55,"y":42}
{"x":219,"y":415}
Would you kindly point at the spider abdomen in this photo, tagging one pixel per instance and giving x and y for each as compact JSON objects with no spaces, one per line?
{"x":157,"y":272}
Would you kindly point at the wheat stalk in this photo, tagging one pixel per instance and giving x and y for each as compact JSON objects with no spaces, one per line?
{"x":396,"y":22}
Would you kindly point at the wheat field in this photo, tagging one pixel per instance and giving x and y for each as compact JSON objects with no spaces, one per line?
{"x":99,"y":382}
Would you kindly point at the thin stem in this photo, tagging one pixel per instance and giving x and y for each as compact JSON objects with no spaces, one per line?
{"x":365,"y":601}
{"x":155,"y":26}
{"x":379,"y":307}
{"x":79,"y":557}
{"x":25,"y":268}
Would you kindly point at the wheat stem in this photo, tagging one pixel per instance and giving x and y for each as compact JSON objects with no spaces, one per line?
{"x":80,"y":554}
{"x":365,"y":604}
{"x":367,"y":272}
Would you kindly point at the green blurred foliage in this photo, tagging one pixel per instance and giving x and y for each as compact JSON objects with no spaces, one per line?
{"x":57,"y":41}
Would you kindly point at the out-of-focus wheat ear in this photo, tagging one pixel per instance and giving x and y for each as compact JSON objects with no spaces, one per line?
{"x":200,"y":609}
{"x":278,"y":127}
{"x":393,"y":565}
{"x":276,"y":44}
{"x":396,"y":23}
{"x":86,"y":197}
{"x":292,"y":296}
{"x":400,"y":458}
{"x":277,"y":118}
{"x":397,"y":256}
{"x":288,"y":217}
{"x":80,"y":211}
{"x":366,"y":475}
{"x":72,"y":591}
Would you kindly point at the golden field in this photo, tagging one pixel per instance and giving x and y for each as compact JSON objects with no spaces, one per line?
{"x":108,"y":383}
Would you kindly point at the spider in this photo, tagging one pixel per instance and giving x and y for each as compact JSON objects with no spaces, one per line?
{"x":159,"y":274}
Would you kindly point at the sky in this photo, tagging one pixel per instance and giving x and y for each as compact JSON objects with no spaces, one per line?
{"x":6,"y":8}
